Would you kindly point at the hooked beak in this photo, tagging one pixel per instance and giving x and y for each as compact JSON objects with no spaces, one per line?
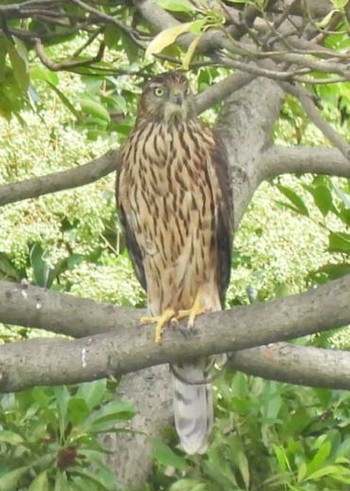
{"x":176,"y":98}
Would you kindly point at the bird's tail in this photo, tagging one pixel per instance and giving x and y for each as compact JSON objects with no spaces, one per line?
{"x":193,"y":406}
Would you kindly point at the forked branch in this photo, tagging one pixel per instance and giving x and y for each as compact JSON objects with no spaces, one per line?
{"x":127,"y":349}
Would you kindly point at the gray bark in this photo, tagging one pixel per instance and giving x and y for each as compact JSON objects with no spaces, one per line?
{"x":125,"y":350}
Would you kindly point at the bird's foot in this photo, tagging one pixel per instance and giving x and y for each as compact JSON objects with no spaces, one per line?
{"x":192,"y":313}
{"x":160,"y":321}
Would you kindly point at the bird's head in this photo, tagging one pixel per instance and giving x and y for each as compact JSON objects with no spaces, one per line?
{"x":168,"y":98}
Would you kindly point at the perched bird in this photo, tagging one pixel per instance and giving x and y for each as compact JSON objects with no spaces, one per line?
{"x":174,"y":201}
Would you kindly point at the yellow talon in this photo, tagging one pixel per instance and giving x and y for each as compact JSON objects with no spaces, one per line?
{"x":173,"y":316}
{"x":191,"y":313}
{"x":160,"y":321}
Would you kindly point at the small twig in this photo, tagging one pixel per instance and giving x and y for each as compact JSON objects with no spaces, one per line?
{"x":31,"y":36}
{"x":317,"y":81}
{"x":109,"y":19}
{"x":284,"y":15}
{"x":311,"y":110}
{"x":67,"y":65}
{"x":259,"y":71}
{"x":90,"y":40}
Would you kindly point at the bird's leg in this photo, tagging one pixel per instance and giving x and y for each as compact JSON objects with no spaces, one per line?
{"x":196,"y":309}
{"x":160,"y":321}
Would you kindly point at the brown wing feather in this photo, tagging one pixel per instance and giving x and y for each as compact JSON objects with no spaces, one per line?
{"x":224,"y":222}
{"x":131,"y":242}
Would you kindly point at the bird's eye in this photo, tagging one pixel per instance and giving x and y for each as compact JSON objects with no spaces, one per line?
{"x":159,"y":92}
{"x":187,"y":91}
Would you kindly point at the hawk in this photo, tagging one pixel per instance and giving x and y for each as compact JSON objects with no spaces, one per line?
{"x":174,"y":201}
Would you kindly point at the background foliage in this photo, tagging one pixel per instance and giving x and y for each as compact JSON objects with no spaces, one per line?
{"x":267,"y":436}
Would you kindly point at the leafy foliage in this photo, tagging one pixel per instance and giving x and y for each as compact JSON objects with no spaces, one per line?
{"x":268,"y":436}
{"x":67,"y":93}
{"x":49,"y":437}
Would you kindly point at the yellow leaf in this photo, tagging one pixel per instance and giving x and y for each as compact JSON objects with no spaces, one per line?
{"x":167,"y":37}
{"x":324,"y":23}
{"x":190,"y":52}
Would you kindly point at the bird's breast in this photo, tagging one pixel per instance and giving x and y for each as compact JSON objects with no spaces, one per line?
{"x":171,"y":192}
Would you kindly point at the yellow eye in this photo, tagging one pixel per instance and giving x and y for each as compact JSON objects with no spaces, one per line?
{"x":159,"y":92}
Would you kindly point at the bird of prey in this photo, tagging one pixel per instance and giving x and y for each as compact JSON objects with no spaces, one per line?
{"x":174,"y":202}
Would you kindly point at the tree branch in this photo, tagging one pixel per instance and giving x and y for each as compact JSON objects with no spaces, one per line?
{"x":127,"y":349}
{"x":245,"y":125}
{"x":311,"y":110}
{"x":65,"y":65}
{"x":61,"y":313}
{"x":59,"y":181}
{"x":300,"y":365}
{"x":221,"y":90}
{"x":300,"y":160}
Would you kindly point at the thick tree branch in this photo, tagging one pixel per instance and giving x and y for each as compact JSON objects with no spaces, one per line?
{"x":301,"y":365}
{"x":124,"y":350}
{"x":300,"y":160}
{"x":161,"y":19}
{"x":31,"y":306}
{"x":59,"y":181}
{"x":245,"y":126}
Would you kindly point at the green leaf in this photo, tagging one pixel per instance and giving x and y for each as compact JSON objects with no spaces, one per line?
{"x":189,"y":485}
{"x":10,"y":437}
{"x":243,"y":466}
{"x":130,"y":47}
{"x":319,"y":458}
{"x":40,"y":483}
{"x":111,"y":36}
{"x":7,"y":269}
{"x":61,"y":481}
{"x":62,"y":400}
{"x":9,"y":481}
{"x":94,"y":108}
{"x":302,"y":472}
{"x":323,"y":198}
{"x":19,"y":59}
{"x":109,"y":414}
{"x":40,"y":267}
{"x":176,"y":5}
{"x":92,"y":392}
{"x":344,"y":448}
{"x":295,"y":199}
{"x":339,"y":242}
{"x":327,"y":470}
{"x":64,"y":99}
{"x":90,"y":478}
{"x":64,"y":264}
{"x":334,"y":270}
{"x":38,"y":72}
{"x":339,"y":4}
{"x":3,"y":53}
{"x":345,"y":197}
{"x":165,"y":456}
{"x":282,"y":458}
{"x":78,"y":411}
